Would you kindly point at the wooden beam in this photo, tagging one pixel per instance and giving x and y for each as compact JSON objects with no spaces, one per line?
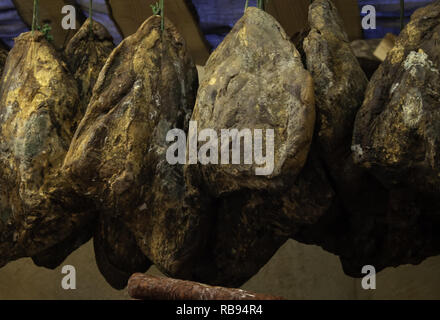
{"x":293,"y":15}
{"x":130,"y":14}
{"x":351,"y":15}
{"x":50,"y":13}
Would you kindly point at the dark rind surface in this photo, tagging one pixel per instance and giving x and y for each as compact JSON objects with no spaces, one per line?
{"x":254,"y":80}
{"x":371,"y":222}
{"x":38,"y":114}
{"x":3,"y":57}
{"x":116,"y":252}
{"x":86,"y":54}
{"x":117,"y":158}
{"x":397,"y":130}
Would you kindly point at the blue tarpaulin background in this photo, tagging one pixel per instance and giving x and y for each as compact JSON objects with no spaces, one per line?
{"x":388,"y":15}
{"x":217,"y":17}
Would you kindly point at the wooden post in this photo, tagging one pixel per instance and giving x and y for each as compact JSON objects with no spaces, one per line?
{"x":293,"y":15}
{"x":261,"y":4}
{"x":129,"y":15}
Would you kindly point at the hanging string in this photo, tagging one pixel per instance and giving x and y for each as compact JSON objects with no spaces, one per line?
{"x":35,"y":16}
